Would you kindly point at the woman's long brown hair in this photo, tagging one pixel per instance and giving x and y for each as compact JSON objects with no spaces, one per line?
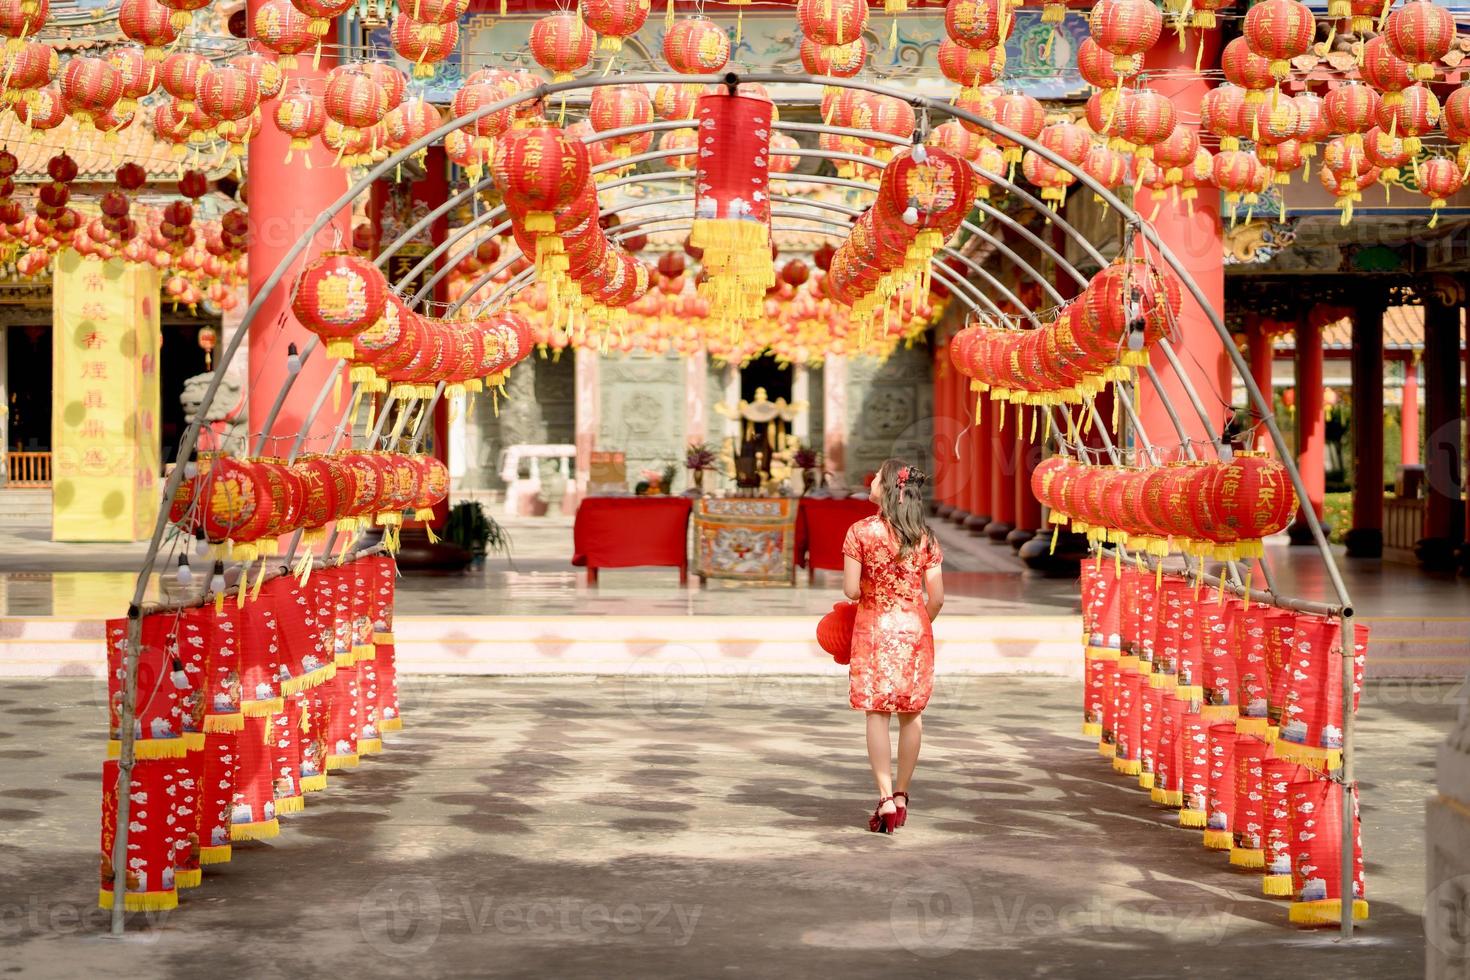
{"x":901,"y":503}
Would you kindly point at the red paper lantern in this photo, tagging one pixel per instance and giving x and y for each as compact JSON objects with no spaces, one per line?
{"x":832,"y":23}
{"x":181,"y":74}
{"x":1245,"y":68}
{"x":283,"y":29}
{"x":540,"y":170}
{"x":696,"y":46}
{"x":1246,"y":499}
{"x":149,"y":884}
{"x":337,"y":297}
{"x":561,"y":44}
{"x":1316,"y":854}
{"x":620,"y":107}
{"x":139,"y":76}
{"x":89,"y":88}
{"x":969,"y":67}
{"x":1415,"y":113}
{"x":1351,"y":109}
{"x":425,"y":45}
{"x":1439,"y":179}
{"x":1421,"y":33}
{"x":1279,"y":30}
{"x":732,"y":206}
{"x":321,"y":13}
{"x":1021,"y":114}
{"x":980,"y":24}
{"x":1276,"y":779}
{"x":353,"y":100}
{"x":834,"y":631}
{"x":300,"y":116}
{"x":1384,"y":70}
{"x":183,"y":11}
{"x":1125,"y":28}
{"x":1220,"y":791}
{"x":32,"y":65}
{"x":839,"y":61}
{"x":19,"y":19}
{"x":228,"y":94}
{"x":614,"y":20}
{"x":1096,"y":66}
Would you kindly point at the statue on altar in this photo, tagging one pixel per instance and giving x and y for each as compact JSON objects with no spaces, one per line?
{"x":761,"y":459}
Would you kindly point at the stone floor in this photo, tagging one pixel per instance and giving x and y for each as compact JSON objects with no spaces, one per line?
{"x":628,"y":826}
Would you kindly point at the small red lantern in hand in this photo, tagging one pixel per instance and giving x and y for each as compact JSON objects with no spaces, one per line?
{"x":834,"y":631}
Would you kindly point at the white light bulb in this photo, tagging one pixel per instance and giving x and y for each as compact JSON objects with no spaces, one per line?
{"x":293,"y":359}
{"x":217,"y":580}
{"x":921,"y":153}
{"x":910,"y":215}
{"x":185,"y":573}
{"x":201,"y":547}
{"x":191,"y":470}
{"x":1135,"y":340}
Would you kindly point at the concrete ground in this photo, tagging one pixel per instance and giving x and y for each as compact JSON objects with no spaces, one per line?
{"x":648,"y":826}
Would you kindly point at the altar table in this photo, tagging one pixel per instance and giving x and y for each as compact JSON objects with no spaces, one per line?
{"x":627,"y":532}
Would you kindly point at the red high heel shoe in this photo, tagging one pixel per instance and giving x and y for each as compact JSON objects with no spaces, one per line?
{"x":903,"y":808}
{"x":883,"y":823}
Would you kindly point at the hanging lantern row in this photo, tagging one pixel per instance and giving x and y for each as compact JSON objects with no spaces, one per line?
{"x":243,"y":506}
{"x":923,"y":196}
{"x":1096,"y":338}
{"x":1218,"y":509}
{"x":544,"y":176}
{"x":1231,"y":714}
{"x":239,"y":714}
{"x":344,"y":299}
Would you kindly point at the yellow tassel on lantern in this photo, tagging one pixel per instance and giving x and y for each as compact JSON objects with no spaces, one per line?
{"x":1327,"y":911}
{"x":255,"y":830}
{"x":142,"y":901}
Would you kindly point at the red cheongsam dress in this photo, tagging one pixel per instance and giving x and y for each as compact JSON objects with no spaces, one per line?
{"x":892,"y":667}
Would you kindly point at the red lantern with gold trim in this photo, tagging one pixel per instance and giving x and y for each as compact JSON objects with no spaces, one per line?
{"x":562,"y":44}
{"x":696,"y":46}
{"x":1125,"y":28}
{"x":614,"y":20}
{"x":1439,"y":178}
{"x":832,"y":23}
{"x":982,"y":24}
{"x":228,"y":95}
{"x":337,"y":297}
{"x":425,"y":45}
{"x":89,"y":88}
{"x":1421,"y":33}
{"x":283,"y":29}
{"x":1279,"y":30}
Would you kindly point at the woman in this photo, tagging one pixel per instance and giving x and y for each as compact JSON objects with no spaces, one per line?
{"x":892,"y":569}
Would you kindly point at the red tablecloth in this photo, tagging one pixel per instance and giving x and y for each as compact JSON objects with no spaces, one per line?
{"x":623,"y":532}
{"x":822,"y":523}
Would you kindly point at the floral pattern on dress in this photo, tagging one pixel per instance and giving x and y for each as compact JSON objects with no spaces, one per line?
{"x":892,"y":667}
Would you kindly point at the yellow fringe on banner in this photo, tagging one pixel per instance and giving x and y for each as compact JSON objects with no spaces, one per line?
{"x":290,"y":804}
{"x":1259,"y":727}
{"x":1276,"y":886}
{"x":1219,"y":712}
{"x":314,"y":784}
{"x":194,"y":741}
{"x":381,"y":638}
{"x":141,"y":901}
{"x":188,"y":878}
{"x":1146,"y":780}
{"x":1092,"y":729}
{"x":369,"y":746}
{"x":215,"y":854}
{"x":1247,"y":857}
{"x":255,"y":830}
{"x":1128,"y":767}
{"x":1165,"y":797}
{"x":150,"y":748}
{"x":1106,"y":749}
{"x":1219,"y":840}
{"x":1191,"y":818}
{"x":1310,"y":756}
{"x":1323,"y":912}
{"x":225,"y":722}
{"x":347,"y":761}
{"x":391,"y":725}
{"x":262,"y":709}
{"x":363,"y":651}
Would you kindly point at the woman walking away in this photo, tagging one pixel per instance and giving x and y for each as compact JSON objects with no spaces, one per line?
{"x":893,"y":571}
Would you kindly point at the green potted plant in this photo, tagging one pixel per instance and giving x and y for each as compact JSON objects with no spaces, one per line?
{"x":470,"y":528}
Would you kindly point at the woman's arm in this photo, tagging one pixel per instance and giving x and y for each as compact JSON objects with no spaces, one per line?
{"x":934,"y":589}
{"x":852,"y":578}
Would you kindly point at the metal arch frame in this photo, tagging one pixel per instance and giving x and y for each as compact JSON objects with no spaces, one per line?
{"x":1135,"y":223}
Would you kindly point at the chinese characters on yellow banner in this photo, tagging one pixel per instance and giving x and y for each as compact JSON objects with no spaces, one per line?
{"x":105,"y":400}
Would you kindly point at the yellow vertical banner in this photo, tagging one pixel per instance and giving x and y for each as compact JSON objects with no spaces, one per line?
{"x":105,"y":399}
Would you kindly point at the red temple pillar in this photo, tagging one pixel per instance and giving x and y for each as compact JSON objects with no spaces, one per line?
{"x":1365,"y":539}
{"x":1444,"y":513}
{"x":283,"y":202}
{"x":1409,"y":413}
{"x":1003,"y":472}
{"x":1028,"y":508}
{"x":1196,"y":239}
{"x":981,"y":461}
{"x":945,"y":430}
{"x":962,"y":452}
{"x":1311,"y":430}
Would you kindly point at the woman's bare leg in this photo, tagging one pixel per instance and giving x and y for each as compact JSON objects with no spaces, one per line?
{"x":910,"y":734}
{"x":880,"y":755}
